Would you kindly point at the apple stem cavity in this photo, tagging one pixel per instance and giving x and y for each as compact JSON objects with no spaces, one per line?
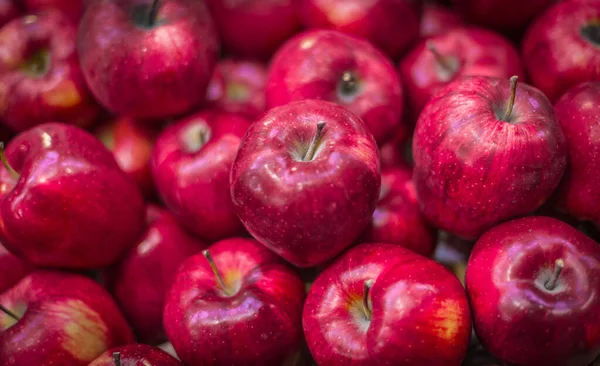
{"x":151,"y":20}
{"x":10,"y":169}
{"x":439,"y":58}
{"x":591,"y":33}
{"x":217,"y":273}
{"x":558,"y":267}
{"x":117,"y":358}
{"x":349,"y":83}
{"x":366,"y":303}
{"x":9,"y":313}
{"x":314,"y":143}
{"x":511,"y":99}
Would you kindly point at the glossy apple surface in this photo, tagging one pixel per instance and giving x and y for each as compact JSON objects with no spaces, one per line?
{"x":562,"y":47}
{"x":238,"y":86}
{"x":254,"y":28}
{"x":502,"y":14}
{"x":191,"y":164}
{"x":390,"y":25}
{"x":474,"y":165}
{"x":40,"y":76}
{"x":578,"y":112}
{"x":245,"y":296}
{"x":332,"y":66}
{"x":64,"y":319}
{"x":67,"y":204}
{"x":397,"y":218}
{"x":305,"y":203}
{"x":534,"y":286}
{"x":438,"y":19}
{"x":148,"y":67}
{"x":140,"y":280}
{"x":378,"y":304}
{"x":136,"y":355}
{"x":12,"y":269}
{"x":462,"y":51}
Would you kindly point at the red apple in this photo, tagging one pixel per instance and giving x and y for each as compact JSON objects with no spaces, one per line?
{"x":486,"y":151}
{"x":54,"y":318}
{"x":140,"y":280}
{"x":191,"y":164}
{"x":578,"y":112}
{"x":332,"y":66}
{"x":135,"y":355}
{"x":462,"y":51}
{"x":393,"y":154}
{"x":12,"y":269}
{"x":40,"y":77}
{"x":254,"y":28}
{"x":438,"y":19}
{"x":64,"y":201}
{"x":238,"y":86}
{"x":235,"y":304}
{"x":391,"y":25}
{"x":504,"y":15}
{"x":306,"y":180}
{"x":73,"y":9}
{"x":562,"y":47}
{"x":533,"y":284}
{"x":9,"y":10}
{"x":148,"y":60}
{"x":131,"y":143}
{"x":381,"y":304}
{"x":397,"y":218}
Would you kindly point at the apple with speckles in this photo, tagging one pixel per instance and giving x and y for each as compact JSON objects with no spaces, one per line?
{"x":55,"y":318}
{"x":306,"y":180}
{"x":135,"y":355}
{"x":381,"y":304}
{"x":534,"y":289}
{"x":40,"y":76}
{"x":486,"y":150}
{"x":330,"y":65}
{"x":237,"y":292}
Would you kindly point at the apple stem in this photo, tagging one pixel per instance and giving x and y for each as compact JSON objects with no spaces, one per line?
{"x":314,"y":143}
{"x":216,"y":272}
{"x":558,"y":267}
{"x":5,"y":162}
{"x":443,"y":61}
{"x":152,"y":13}
{"x":366,"y":304}
{"x":511,"y":100}
{"x":117,"y":358}
{"x":9,"y":313}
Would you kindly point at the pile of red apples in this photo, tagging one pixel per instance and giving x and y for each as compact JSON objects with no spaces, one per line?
{"x":299,"y":182}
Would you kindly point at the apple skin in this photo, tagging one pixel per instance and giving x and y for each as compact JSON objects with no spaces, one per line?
{"x":516,"y":318}
{"x":254,"y":29}
{"x":148,"y":72}
{"x":73,"y":9}
{"x":438,"y":19}
{"x":390,"y":25}
{"x":137,"y":354}
{"x":473,"y":51}
{"x":578,"y":112}
{"x":80,"y":321}
{"x":312,"y":66}
{"x":206,"y":326}
{"x":12,"y":269}
{"x":192,"y":177}
{"x":140,"y":280}
{"x":8,"y":11}
{"x":393,"y":154}
{"x":306,"y":211}
{"x":417,"y":305}
{"x":472,"y":169}
{"x":555,"y":54}
{"x":67,"y":208}
{"x":131,"y":143}
{"x":238,"y":86}
{"x":397,"y":218}
{"x":58,"y":93}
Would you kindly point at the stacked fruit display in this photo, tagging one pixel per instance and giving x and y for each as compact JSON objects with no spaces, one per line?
{"x":299,"y":182}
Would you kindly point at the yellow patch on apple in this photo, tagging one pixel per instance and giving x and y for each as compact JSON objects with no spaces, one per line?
{"x":448,"y":319}
{"x":64,"y":95}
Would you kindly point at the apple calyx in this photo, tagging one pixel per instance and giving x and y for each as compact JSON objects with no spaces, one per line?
{"x":348,"y":87}
{"x":117,"y":358}
{"x":195,"y":137}
{"x":511,"y":99}
{"x":550,"y":285}
{"x":37,"y":64}
{"x":4,"y":161}
{"x":228,"y":291}
{"x":448,"y":64}
{"x":366,"y":299}
{"x":9,"y":313}
{"x":314,"y":143}
{"x":591,"y":33}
